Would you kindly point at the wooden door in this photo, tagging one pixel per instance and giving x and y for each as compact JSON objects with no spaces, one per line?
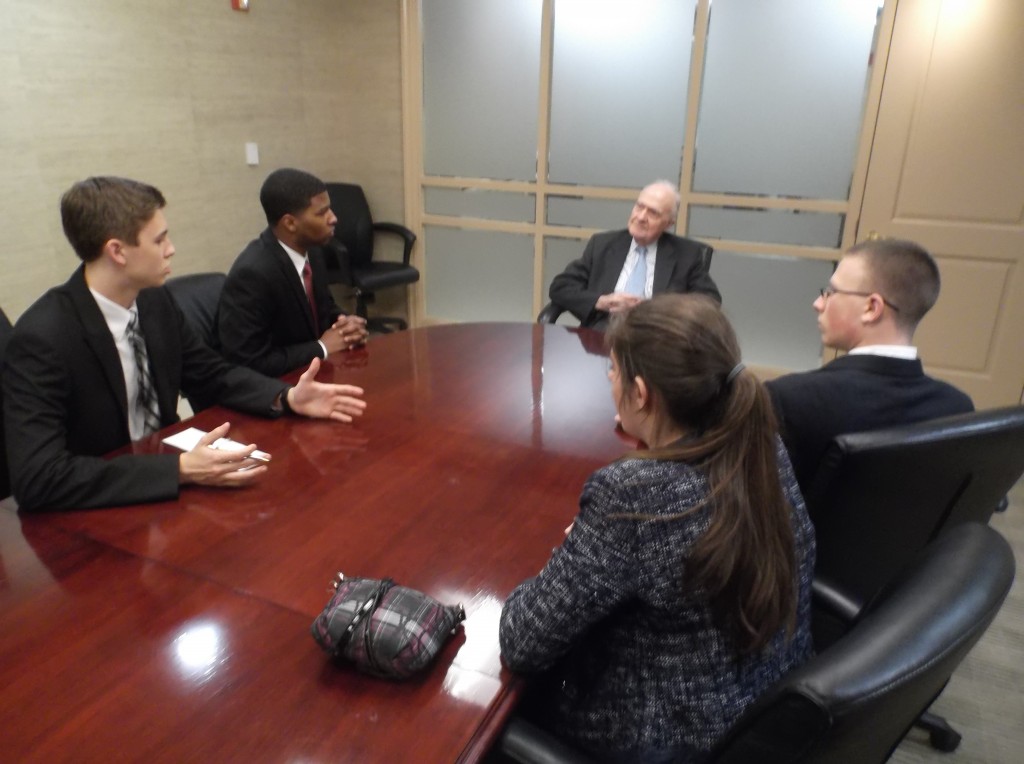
{"x":947,"y":170}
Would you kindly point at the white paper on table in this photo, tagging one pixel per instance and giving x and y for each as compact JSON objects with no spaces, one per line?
{"x":186,"y":440}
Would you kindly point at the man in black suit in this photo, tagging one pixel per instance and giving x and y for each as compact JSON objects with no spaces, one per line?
{"x":620,"y":268}
{"x":276,"y":311}
{"x":878,"y":294}
{"x":99,"y":362}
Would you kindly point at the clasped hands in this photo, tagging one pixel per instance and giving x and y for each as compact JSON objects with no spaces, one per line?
{"x":205,"y":465}
{"x":617,"y":302}
{"x":347,"y":332}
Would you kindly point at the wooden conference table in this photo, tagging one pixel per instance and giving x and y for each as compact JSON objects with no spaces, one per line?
{"x":179,"y":631}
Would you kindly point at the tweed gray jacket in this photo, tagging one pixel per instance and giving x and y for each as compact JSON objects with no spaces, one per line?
{"x":634,"y":665}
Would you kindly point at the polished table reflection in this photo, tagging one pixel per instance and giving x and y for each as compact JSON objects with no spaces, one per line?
{"x":179,"y":631}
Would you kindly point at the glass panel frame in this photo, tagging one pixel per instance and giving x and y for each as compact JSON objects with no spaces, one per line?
{"x":794,"y":227}
{"x":481,"y":74}
{"x":512,"y":206}
{"x":607,"y":96}
{"x":786,"y":74}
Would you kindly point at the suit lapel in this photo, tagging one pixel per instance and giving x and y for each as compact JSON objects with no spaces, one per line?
{"x":99,"y":339}
{"x":618,"y":250}
{"x":664,"y":265}
{"x":291,"y":277}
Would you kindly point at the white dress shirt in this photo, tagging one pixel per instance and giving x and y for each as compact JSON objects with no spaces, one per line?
{"x":906,"y":352}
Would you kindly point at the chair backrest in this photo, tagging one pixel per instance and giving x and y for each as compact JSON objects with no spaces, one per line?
{"x":855,"y":701}
{"x":5,"y":478}
{"x":706,"y":251}
{"x":354,"y":229}
{"x":198,"y":294}
{"x":879,"y":497}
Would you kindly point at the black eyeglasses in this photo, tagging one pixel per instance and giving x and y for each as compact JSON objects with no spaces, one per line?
{"x":830,"y":290}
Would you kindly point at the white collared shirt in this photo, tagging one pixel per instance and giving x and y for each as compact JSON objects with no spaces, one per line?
{"x":117,"y":319}
{"x":630,"y":264}
{"x":299,"y":261}
{"x":906,"y":352}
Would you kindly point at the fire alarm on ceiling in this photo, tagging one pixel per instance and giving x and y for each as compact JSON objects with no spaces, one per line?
{"x":240,"y":5}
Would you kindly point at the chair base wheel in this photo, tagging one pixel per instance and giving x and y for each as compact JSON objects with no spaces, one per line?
{"x":941,"y":736}
{"x":946,"y":741}
{"x":385,"y":325}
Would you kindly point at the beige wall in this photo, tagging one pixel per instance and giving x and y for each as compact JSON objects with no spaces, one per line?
{"x":169,"y":93}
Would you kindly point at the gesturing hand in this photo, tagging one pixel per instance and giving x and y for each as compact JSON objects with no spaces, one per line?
{"x":325,"y":401}
{"x":204,"y":465}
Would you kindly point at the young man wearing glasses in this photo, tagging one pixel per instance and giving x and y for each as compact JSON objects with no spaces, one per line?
{"x":877,"y":296}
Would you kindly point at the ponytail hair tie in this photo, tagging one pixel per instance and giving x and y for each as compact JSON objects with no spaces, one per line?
{"x":735,"y":372}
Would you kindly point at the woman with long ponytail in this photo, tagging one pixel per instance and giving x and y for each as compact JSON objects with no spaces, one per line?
{"x":682,"y":590}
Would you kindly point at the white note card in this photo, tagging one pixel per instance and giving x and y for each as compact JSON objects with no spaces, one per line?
{"x":186,"y":440}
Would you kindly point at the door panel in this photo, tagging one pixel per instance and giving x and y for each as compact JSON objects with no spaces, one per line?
{"x":947,"y":170}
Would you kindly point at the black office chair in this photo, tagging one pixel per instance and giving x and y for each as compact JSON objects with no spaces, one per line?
{"x":5,"y":478}
{"x":856,"y":700}
{"x":879,"y":497}
{"x":354,"y":264}
{"x":549,"y":313}
{"x":198,"y":295}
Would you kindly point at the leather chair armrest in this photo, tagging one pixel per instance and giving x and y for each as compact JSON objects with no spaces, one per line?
{"x":832,"y":600}
{"x":526,"y":743}
{"x":549,"y":313}
{"x":407,"y":236}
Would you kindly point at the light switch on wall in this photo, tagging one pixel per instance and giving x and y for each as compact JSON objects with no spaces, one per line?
{"x":252,"y":154}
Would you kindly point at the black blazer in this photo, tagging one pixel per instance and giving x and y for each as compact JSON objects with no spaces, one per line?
{"x":66,"y":405}
{"x":263,"y":320}
{"x":678,"y":268}
{"x":855,"y":393}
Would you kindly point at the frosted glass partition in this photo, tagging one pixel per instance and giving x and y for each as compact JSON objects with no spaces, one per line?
{"x":588,"y":213}
{"x":558,"y":253}
{"x":479,"y":203}
{"x":481,"y":72}
{"x":783,"y":96}
{"x":768,"y":299}
{"x":619,"y":82}
{"x":812,"y":229}
{"x":478,"y":275}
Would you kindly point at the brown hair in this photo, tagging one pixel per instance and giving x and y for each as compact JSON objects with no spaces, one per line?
{"x":904,"y":274}
{"x":96,"y":210}
{"x":684,"y":348}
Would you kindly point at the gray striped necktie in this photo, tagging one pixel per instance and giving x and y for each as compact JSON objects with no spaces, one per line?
{"x":146,"y":400}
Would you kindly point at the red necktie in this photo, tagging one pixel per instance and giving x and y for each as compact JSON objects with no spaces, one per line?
{"x":307,"y":279}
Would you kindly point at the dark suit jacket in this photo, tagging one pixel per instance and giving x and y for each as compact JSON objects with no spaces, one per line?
{"x":65,"y":400}
{"x":264,"y":321}
{"x":678,"y":268}
{"x":5,"y":481}
{"x":855,"y":393}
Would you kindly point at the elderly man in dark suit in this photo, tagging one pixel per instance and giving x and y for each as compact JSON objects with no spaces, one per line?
{"x":276,"y":311}
{"x":878,"y":294}
{"x":620,"y":268}
{"x":99,"y":362}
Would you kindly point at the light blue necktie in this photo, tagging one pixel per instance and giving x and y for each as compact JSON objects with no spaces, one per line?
{"x":638,"y":278}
